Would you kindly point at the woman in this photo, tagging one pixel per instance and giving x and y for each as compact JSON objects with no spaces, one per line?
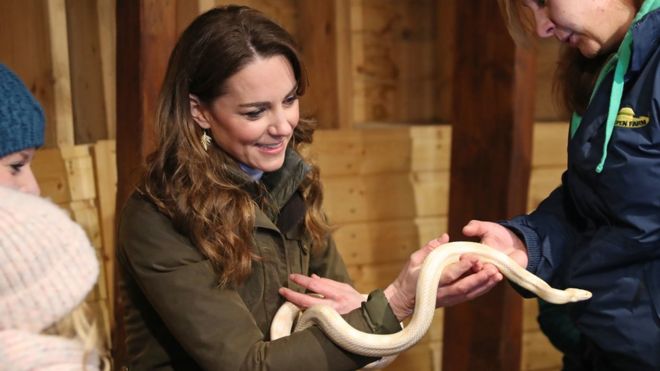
{"x":47,"y":264}
{"x":600,"y":230}
{"x":229,"y":216}
{"x":21,"y":133}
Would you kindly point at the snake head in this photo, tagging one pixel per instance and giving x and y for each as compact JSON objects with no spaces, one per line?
{"x":578,"y":294}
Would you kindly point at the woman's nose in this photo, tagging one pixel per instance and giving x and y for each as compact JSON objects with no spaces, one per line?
{"x":281,"y":124}
{"x":544,"y":26}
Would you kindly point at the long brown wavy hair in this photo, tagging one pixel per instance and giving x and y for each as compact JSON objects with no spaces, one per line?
{"x":575,"y":75}
{"x":203,"y":192}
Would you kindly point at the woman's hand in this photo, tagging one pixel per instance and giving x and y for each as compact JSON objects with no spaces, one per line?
{"x":499,"y":238}
{"x":340,"y":296}
{"x":461,"y":281}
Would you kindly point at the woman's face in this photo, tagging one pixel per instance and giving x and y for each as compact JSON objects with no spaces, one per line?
{"x":253,"y":120}
{"x":592,"y":26}
{"x":16,"y":172}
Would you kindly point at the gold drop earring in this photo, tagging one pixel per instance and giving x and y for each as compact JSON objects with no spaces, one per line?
{"x":206,"y":140}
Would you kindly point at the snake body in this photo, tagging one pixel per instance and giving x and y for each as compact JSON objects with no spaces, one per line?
{"x":374,"y":345}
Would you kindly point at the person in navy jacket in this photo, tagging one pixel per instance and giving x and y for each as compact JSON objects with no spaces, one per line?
{"x":600,"y":229}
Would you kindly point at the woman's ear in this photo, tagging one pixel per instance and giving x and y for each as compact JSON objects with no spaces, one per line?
{"x":197,"y":112}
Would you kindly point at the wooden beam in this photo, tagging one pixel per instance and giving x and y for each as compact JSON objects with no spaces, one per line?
{"x":146,"y":31}
{"x":106,"y":14}
{"x":61,"y":76}
{"x":87,"y":85}
{"x":490,"y":167}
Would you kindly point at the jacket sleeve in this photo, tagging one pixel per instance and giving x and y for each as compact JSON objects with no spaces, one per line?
{"x":548,"y":232}
{"x":213,"y":325}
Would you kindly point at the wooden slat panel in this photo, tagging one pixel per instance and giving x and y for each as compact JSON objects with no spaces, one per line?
{"x":386,"y":196}
{"x":65,"y":175}
{"x":86,"y":214}
{"x":424,"y":356}
{"x":381,"y":242}
{"x":105,"y":171}
{"x":382,"y":149}
{"x":370,"y":276}
{"x":550,"y":140}
{"x":541,"y":183}
{"x":349,"y":199}
{"x":539,"y":353}
{"x":393,"y":65}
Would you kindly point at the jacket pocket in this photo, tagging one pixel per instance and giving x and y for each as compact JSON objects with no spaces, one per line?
{"x":298,"y":246}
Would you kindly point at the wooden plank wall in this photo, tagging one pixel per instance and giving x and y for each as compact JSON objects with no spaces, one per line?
{"x":82,"y":180}
{"x":64,"y":52}
{"x":388,"y":69}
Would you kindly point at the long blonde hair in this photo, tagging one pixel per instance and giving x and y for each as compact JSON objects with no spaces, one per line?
{"x":81,"y":324}
{"x":203,"y":192}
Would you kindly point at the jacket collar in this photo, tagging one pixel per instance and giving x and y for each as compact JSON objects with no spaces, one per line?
{"x":281,"y":186}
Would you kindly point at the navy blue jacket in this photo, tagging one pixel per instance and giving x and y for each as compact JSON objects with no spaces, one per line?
{"x":601,"y":231}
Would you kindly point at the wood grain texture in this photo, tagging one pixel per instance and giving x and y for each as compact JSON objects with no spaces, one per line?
{"x":491,"y":147}
{"x":87,"y":79}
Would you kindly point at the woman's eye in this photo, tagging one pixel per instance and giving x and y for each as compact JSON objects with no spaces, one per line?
{"x":290,"y":99}
{"x":16,"y":168}
{"x":540,"y":3}
{"x":253,"y":115}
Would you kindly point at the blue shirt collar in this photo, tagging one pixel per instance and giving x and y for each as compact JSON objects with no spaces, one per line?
{"x":255,"y":174}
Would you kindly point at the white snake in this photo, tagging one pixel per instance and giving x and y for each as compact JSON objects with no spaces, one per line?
{"x":367,"y":344}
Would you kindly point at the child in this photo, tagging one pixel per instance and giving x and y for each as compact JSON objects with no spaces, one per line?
{"x":21,"y":132}
{"x":47,"y":268}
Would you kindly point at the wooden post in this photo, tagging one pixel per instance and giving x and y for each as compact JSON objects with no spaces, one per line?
{"x":146,"y":33}
{"x":490,"y":167}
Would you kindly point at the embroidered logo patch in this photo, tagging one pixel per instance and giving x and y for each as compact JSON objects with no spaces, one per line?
{"x":627,"y":119}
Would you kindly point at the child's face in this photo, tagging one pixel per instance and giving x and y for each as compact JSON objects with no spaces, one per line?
{"x":16,"y":172}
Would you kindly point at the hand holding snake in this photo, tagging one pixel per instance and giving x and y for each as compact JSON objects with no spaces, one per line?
{"x":426,"y":293}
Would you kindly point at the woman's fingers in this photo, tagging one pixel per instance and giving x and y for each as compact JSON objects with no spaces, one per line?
{"x":323,"y":286}
{"x":299,"y":299}
{"x":339,"y":295}
{"x":468,"y":287}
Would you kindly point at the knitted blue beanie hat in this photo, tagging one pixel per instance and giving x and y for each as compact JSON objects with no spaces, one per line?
{"x":21,"y":116}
